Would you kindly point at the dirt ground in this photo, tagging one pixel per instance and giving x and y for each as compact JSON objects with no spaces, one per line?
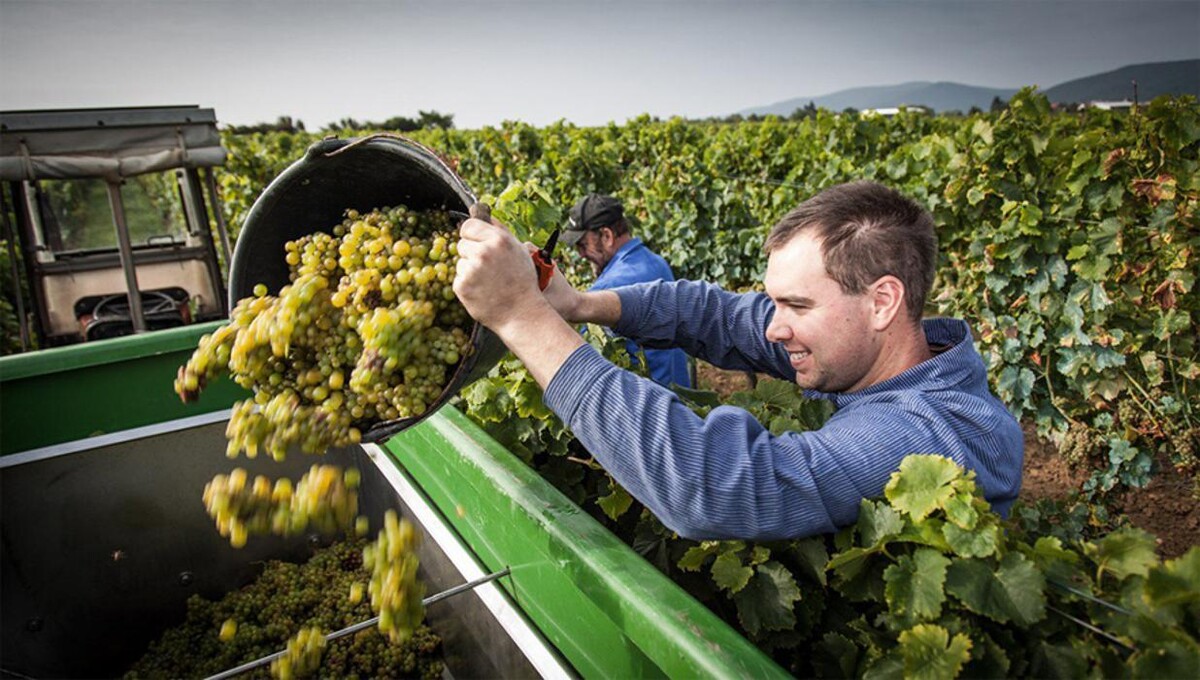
{"x":1165,"y":508}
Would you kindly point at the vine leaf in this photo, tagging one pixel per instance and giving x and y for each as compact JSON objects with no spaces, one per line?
{"x":697,"y":555}
{"x":1013,"y":592}
{"x":812,"y":557}
{"x":1055,"y":561}
{"x":488,"y":399}
{"x":616,"y":503}
{"x":961,"y":511}
{"x":837,"y":656}
{"x":1171,"y":659}
{"x":528,"y":399}
{"x":931,"y":654}
{"x":915,"y":584}
{"x":1176,"y":582}
{"x":767,"y":600}
{"x":980,"y":542}
{"x":922,"y":485}
{"x":1124,"y":552}
{"x":729,"y":573}
{"x":1058,"y":661}
{"x":877,"y":522}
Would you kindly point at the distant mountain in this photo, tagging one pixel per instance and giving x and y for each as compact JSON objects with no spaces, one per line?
{"x":1169,"y":77}
{"x":937,"y":96}
{"x":1165,"y":77}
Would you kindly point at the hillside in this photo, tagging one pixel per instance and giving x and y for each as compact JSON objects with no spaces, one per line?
{"x":1168,"y":77}
{"x":1154,"y":79}
{"x":941,"y":96}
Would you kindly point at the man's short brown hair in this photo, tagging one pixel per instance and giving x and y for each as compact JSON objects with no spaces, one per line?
{"x":867,"y":231}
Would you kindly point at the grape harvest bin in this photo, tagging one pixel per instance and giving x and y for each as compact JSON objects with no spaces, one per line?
{"x":105,"y":536}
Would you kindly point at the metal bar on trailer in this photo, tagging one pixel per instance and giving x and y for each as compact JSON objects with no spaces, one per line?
{"x":126,"y":250}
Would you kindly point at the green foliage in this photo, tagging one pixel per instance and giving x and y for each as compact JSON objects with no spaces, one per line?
{"x":895,"y":596}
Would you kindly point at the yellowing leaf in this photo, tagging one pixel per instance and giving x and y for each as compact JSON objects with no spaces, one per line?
{"x":931,"y":654}
{"x":697,"y":555}
{"x":922,"y":484}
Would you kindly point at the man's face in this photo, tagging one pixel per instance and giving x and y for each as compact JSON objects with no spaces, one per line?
{"x":597,"y":248}
{"x":827,"y":333}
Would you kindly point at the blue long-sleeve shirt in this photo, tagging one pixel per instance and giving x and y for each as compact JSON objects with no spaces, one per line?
{"x":726,"y":476}
{"x":635,"y":263}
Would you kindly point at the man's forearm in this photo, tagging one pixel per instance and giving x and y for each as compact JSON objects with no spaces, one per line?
{"x":601,"y":307}
{"x":541,"y":340}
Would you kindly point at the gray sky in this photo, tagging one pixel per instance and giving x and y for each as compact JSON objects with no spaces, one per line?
{"x":587,"y":62}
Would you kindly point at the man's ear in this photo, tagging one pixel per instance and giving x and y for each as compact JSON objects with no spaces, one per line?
{"x":887,"y":301}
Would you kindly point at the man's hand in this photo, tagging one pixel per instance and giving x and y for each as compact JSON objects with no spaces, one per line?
{"x":497,"y":283}
{"x":495,"y":279}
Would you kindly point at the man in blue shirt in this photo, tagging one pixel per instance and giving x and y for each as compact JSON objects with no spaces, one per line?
{"x":848,"y":272}
{"x":600,"y":235}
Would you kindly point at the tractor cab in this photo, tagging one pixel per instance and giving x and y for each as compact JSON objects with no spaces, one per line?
{"x":115,"y":212}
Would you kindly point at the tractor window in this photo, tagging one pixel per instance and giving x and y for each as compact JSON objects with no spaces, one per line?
{"x":77,"y":216}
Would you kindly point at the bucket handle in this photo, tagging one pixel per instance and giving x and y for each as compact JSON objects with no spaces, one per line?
{"x":404,"y":140}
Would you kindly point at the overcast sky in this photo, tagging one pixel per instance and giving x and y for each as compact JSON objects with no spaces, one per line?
{"x":587,"y":62}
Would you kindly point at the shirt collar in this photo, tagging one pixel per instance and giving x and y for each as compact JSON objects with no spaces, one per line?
{"x":957,"y":365}
{"x":623,"y":252}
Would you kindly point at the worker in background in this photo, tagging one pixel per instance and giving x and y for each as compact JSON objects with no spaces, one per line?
{"x":848,"y":272}
{"x":600,"y":234}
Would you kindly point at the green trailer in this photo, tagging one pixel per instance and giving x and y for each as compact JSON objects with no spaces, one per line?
{"x":105,"y":536}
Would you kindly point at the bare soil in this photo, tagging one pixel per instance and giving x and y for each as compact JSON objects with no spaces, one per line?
{"x":1165,"y":508}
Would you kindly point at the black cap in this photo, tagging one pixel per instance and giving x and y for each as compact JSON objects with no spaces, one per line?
{"x":589,"y":214}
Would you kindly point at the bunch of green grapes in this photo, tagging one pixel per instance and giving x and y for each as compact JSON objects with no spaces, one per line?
{"x":1079,"y":444}
{"x":368,"y":330}
{"x":325,"y":499}
{"x":395,"y":592}
{"x":256,"y":621}
{"x":303,"y":655}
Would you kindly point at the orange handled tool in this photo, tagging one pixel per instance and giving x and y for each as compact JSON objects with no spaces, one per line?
{"x":543,"y":261}
{"x":543,"y":258}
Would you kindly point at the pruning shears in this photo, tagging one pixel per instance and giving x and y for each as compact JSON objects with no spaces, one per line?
{"x":543,"y":260}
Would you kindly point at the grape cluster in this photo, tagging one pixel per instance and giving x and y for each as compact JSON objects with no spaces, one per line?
{"x":302,"y":657}
{"x":1080,"y":444}
{"x":395,"y":592}
{"x":368,"y":330}
{"x":325,"y":499}
{"x":258,"y":620}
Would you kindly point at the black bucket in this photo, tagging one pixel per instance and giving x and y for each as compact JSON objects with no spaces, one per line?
{"x":313,"y":194}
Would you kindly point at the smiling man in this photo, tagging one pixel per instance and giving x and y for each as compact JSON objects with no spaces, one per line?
{"x":848,"y":272}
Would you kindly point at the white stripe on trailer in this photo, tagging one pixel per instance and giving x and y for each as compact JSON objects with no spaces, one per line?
{"x":531,"y":643}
